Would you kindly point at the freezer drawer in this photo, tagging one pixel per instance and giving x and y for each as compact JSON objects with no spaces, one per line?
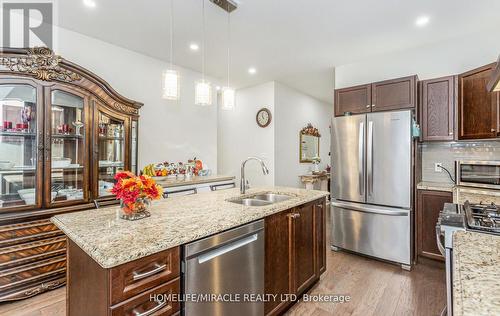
{"x":372,"y":230}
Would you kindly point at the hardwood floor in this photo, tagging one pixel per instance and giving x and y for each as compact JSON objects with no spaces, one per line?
{"x":375,"y":288}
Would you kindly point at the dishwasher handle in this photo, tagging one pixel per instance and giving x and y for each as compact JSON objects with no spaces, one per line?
{"x":212,"y":254}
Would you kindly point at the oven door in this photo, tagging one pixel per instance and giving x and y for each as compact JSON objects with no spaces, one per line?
{"x":484,"y":174}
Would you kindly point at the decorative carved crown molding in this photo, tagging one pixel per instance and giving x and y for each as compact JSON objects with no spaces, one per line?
{"x":40,"y":62}
{"x":310,"y":130}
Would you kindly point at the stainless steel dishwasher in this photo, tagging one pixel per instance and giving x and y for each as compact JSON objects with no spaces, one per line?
{"x":231,"y":262}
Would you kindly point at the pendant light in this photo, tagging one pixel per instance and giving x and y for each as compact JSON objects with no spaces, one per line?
{"x":171,"y":76}
{"x":228,"y":93}
{"x":203,"y":89}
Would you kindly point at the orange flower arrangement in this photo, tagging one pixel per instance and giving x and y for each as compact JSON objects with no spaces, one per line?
{"x":129,"y":188}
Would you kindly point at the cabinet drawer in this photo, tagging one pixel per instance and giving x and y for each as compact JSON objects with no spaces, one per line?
{"x":25,"y":232}
{"x":143,"y":305}
{"x":140,"y":275}
{"x":29,"y":273}
{"x":32,"y":251}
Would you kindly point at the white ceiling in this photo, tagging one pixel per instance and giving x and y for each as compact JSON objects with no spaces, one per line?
{"x":297,"y":42}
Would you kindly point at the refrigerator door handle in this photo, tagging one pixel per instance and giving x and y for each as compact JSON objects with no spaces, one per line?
{"x":370,"y":158}
{"x":368,"y":209}
{"x":361,"y":158}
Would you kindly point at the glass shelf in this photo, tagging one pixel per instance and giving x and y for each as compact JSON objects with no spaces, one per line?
{"x":67,"y":146}
{"x":18,"y":110}
{"x":111,"y":148}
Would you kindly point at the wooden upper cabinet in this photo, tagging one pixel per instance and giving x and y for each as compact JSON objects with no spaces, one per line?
{"x":437,"y":108}
{"x":394,"y":94}
{"x":353,"y":100}
{"x":478,"y":108}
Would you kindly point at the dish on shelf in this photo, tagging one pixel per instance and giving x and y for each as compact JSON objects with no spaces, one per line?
{"x":28,"y":195}
{"x":109,"y":163}
{"x":5,"y":164}
{"x":71,"y":194}
{"x":60,"y":162}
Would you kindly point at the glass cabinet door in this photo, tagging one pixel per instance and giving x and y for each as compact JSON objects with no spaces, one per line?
{"x":68,"y":147}
{"x":111,"y":144}
{"x":18,"y":146}
{"x":134,"y":149}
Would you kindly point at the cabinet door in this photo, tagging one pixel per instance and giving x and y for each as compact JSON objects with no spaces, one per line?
{"x":353,"y":100}
{"x":111,"y":138}
{"x":320,"y":227}
{"x":303,"y":262}
{"x":394,"y":94}
{"x":278,"y":254}
{"x":478,"y":108}
{"x":429,"y":204}
{"x":21,"y":145}
{"x":437,"y":109}
{"x":67,"y":122}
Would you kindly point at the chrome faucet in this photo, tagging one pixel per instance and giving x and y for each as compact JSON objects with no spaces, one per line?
{"x":243,"y":182}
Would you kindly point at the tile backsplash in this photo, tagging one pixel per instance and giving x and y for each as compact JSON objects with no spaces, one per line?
{"x":448,"y":152}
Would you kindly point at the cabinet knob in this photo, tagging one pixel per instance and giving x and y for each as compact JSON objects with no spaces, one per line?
{"x":450,"y":133}
{"x":320,"y":205}
{"x":368,"y":105}
{"x":373,"y":105}
{"x":493,"y":130}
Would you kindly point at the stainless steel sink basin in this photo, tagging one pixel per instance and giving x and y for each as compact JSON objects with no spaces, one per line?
{"x":271,"y":197}
{"x":251,"y":202}
{"x":261,"y":199}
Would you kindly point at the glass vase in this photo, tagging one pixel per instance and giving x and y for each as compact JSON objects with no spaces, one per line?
{"x":137,"y":210}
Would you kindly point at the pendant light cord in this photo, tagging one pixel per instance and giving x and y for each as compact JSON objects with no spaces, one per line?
{"x":228,"y":44}
{"x":203,"y":41}
{"x":171,"y":33}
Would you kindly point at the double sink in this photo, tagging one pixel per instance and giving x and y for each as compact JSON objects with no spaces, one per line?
{"x":262,"y":199}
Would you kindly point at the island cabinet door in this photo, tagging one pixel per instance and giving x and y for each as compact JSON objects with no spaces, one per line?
{"x":278,"y":252}
{"x":320,"y":227}
{"x":303,"y":232}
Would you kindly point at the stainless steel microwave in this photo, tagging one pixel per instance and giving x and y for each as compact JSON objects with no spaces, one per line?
{"x":480,"y":173}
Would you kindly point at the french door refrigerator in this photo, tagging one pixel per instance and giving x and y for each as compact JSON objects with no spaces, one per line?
{"x":372,"y":185}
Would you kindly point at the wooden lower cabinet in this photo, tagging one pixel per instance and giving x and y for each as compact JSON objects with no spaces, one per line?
{"x":295,"y":246}
{"x":429,"y":204}
{"x":32,"y":259}
{"x":125,"y":289}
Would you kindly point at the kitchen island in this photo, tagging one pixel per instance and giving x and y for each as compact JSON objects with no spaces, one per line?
{"x":106,"y":253}
{"x":476,"y":262}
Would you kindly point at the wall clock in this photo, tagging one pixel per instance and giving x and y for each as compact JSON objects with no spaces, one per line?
{"x":263,"y":117}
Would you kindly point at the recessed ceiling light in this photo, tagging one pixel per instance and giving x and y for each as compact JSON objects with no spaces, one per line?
{"x":89,"y":3}
{"x":252,"y":70}
{"x":217,"y":88}
{"x":194,"y":46}
{"x":422,"y":21}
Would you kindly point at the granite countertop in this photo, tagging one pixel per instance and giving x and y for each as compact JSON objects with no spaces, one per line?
{"x":176,"y":182}
{"x":476,"y":271}
{"x":435,"y":186}
{"x":111,"y":241}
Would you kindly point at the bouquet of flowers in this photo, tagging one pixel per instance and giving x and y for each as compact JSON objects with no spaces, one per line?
{"x":135,"y":192}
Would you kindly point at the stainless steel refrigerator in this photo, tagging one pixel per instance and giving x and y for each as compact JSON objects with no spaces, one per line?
{"x":371,"y":185}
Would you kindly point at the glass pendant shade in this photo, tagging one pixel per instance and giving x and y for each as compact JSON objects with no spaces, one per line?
{"x":203,"y":93}
{"x":171,"y":85}
{"x":228,"y":98}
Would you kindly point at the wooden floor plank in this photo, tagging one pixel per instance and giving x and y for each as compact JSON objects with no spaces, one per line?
{"x":376,"y":288}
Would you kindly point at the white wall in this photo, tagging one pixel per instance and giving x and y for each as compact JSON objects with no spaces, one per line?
{"x":293,"y":110}
{"x":430,"y":61}
{"x":241,"y":137}
{"x":172,"y":131}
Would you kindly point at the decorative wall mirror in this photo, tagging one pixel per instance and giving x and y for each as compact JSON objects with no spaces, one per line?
{"x":309,"y":144}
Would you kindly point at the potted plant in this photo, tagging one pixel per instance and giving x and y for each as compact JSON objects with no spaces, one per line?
{"x":135,"y":194}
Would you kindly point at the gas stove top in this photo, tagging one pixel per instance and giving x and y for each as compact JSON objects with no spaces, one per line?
{"x":482,"y":217}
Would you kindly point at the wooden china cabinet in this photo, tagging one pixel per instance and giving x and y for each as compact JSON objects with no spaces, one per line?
{"x":64,"y":133}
